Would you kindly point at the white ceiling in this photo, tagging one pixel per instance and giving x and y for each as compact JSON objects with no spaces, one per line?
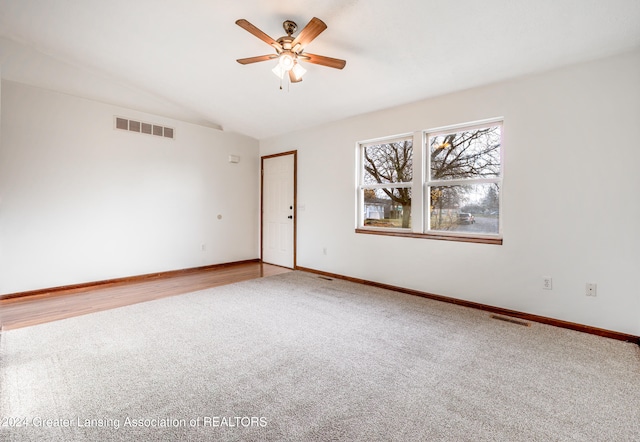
{"x":177,"y":57}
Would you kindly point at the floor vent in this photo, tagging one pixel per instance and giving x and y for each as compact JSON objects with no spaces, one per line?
{"x":145,"y":128}
{"x":511,"y":320}
{"x":325,"y":278}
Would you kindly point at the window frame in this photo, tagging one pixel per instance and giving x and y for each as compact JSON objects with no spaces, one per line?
{"x":362,"y":186}
{"x":428,"y":182}
{"x":421,"y":183}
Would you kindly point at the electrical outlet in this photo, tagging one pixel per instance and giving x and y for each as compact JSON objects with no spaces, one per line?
{"x":203,"y":247}
{"x":547,"y":283}
{"x":324,"y":250}
{"x":591,"y":289}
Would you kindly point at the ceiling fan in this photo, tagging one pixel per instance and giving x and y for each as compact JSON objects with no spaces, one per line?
{"x":290,"y":50}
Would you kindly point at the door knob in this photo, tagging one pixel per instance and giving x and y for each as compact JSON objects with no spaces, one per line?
{"x":290,"y":217}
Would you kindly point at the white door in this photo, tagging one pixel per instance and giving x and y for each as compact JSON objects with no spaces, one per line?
{"x":278,"y":211}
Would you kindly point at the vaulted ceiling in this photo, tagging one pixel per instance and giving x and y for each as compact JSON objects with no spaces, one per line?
{"x":177,"y":58}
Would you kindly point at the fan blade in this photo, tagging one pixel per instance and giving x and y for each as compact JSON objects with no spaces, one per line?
{"x":258,"y":33}
{"x":293,"y":77}
{"x":311,"y":31}
{"x":335,"y":63}
{"x":256,"y":59}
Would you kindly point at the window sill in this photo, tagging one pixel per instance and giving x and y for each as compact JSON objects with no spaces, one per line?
{"x":436,"y":236}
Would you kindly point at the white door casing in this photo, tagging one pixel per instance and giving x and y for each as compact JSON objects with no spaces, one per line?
{"x":278,"y":209}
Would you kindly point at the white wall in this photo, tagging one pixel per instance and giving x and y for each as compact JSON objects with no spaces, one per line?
{"x":570,"y":199}
{"x":81,"y":201}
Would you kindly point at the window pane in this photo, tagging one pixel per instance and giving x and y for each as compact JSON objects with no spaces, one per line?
{"x":470,"y":208}
{"x":387,"y":207}
{"x":388,"y":162}
{"x":467,"y":154}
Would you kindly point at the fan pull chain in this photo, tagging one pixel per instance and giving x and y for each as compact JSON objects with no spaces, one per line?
{"x":288,"y":81}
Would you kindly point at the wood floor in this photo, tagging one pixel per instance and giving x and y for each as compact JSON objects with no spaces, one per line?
{"x":47,"y":307}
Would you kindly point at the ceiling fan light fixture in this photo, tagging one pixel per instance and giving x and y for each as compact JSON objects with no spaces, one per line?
{"x":279,"y":71}
{"x":286,"y":61}
{"x":298,"y":70}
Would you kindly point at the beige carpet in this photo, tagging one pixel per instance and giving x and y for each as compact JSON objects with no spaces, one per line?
{"x":300,"y":358}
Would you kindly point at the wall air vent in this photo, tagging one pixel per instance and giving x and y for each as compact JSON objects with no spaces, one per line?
{"x":145,"y":128}
{"x":134,"y":126}
{"x":121,"y":123}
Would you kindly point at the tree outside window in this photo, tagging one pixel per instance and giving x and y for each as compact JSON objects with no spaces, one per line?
{"x":465,"y":174}
{"x":463,"y":180}
{"x":386,"y":183}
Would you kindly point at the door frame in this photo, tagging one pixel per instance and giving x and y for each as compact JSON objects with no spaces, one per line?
{"x":295,"y":200}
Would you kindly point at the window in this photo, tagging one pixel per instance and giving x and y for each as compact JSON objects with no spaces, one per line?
{"x":464,"y":179}
{"x":459,"y":198}
{"x":385,"y":183}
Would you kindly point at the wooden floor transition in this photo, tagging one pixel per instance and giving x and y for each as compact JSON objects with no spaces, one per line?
{"x":47,"y":307}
